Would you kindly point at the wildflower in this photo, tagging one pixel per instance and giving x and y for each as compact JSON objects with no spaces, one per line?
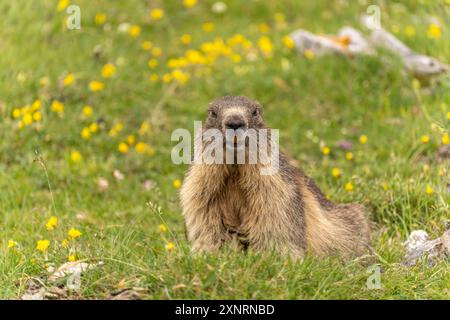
{"x":152,"y":63}
{"x":445,"y":139}
{"x":134,"y":31}
{"x":208,"y":27}
{"x":65,"y":243}
{"x":85,"y":133}
{"x":12,"y":244}
{"x":186,"y":39}
{"x":74,"y":233}
{"x":308,"y":54}
{"x":170,"y":246}
{"x":36,"y":105}
{"x":349,"y":156}
{"x":108,"y":70}
{"x":265,"y":45}
{"x":288,"y":42}
{"x":100,"y":18}
{"x":145,"y":127}
{"x":410,"y":31}
{"x":336,"y":172}
{"x":167,"y":77}
{"x":68,"y":80}
{"x":157,"y":14}
{"x":385,"y":186}
{"x":16,"y":113}
{"x":176,"y":183}
{"x":180,"y":76}
{"x":141,"y":147}
{"x":425,"y":139}
{"x":162,"y":228}
{"x":27,"y":119}
{"x":348,"y":187}
{"x":71,"y":258}
{"x":326,"y":150}
{"x":57,"y":107}
{"x":62,"y":5}
{"x":131,"y":139}
{"x":219,"y":7}
{"x":189,"y":3}
{"x":264,"y":28}
{"x":429,"y":190}
{"x":146,"y":45}
{"x":93,"y":127}
{"x":37,"y":116}
{"x":42,"y":245}
{"x":236,"y":58}
{"x":96,"y":86}
{"x":363,"y":139}
{"x":123,"y":147}
{"x":44,"y":81}
{"x":153,"y":77}
{"x":156,"y":51}
{"x":448,"y":115}
{"x":434,"y":31}
{"x":87,"y":111}
{"x":51,"y":223}
{"x":75,"y":156}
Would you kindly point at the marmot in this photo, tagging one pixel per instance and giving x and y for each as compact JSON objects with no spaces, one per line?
{"x":285,"y":211}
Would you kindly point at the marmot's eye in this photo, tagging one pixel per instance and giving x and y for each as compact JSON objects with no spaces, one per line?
{"x":212,"y":113}
{"x":255,"y":112}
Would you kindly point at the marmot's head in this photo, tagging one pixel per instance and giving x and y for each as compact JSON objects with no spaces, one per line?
{"x":234,"y":113}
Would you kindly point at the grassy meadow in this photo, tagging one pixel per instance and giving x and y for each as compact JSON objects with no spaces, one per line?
{"x":86,"y":118}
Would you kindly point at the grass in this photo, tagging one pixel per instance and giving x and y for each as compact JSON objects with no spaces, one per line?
{"x":314,"y":103}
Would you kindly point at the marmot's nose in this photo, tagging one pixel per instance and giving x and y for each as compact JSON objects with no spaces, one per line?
{"x":235,"y":123}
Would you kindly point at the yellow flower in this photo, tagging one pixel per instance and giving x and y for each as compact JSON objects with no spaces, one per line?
{"x":336,"y":172}
{"x":236,"y":58}
{"x":123,"y":147}
{"x":208,"y":27}
{"x":75,"y":156}
{"x":74,"y":233}
{"x":156,"y":51}
{"x":445,"y":139}
{"x":16,"y":113}
{"x":326,"y":150}
{"x":189,"y":3}
{"x":170,"y":246}
{"x":71,"y":258}
{"x":385,"y":186}
{"x":167,"y":77}
{"x":65,"y":243}
{"x":96,"y":86}
{"x":12,"y":244}
{"x":448,"y":115}
{"x":87,"y":111}
{"x":425,"y":139}
{"x":42,"y":245}
{"x":100,"y":18}
{"x":37,"y":116}
{"x":57,"y":107}
{"x":131,"y":139}
{"x":349,"y":187}
{"x":264,"y":28}
{"x":180,"y":76}
{"x":349,"y":156}
{"x":176,"y":183}
{"x":145,"y":127}
{"x":93,"y":127}
{"x":410,"y":31}
{"x":68,"y":80}
{"x":429,"y":190}
{"x":153,"y":77}
{"x":162,"y":228}
{"x":152,"y":63}
{"x":27,"y":119}
{"x":146,"y":45}
{"x":141,"y":147}
{"x":134,"y":30}
{"x":288,"y":42}
{"x":36,"y":105}
{"x":51,"y":223}
{"x":308,"y":54}
{"x":186,"y":39}
{"x":62,"y":4}
{"x":157,"y":14}
{"x":44,"y":81}
{"x":85,"y":133}
{"x":265,"y":45}
{"x":108,"y":70}
{"x":363,"y":139}
{"x":434,"y":31}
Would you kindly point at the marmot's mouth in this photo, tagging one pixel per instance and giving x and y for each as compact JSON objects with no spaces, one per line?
{"x":235,"y":143}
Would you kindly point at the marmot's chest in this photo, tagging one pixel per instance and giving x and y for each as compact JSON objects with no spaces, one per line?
{"x":233,"y":205}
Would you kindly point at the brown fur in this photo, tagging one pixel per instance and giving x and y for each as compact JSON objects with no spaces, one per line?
{"x":285,"y":211}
